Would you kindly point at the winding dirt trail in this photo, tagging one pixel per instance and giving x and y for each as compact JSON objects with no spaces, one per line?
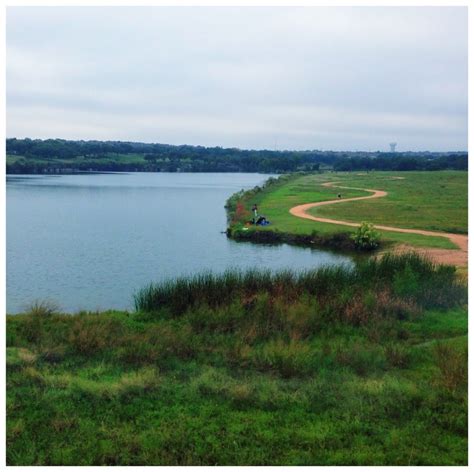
{"x":457,"y":257}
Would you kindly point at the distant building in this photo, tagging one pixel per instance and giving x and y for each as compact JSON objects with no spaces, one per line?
{"x":392,"y":147}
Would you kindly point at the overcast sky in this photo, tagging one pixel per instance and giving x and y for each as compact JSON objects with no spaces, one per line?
{"x":285,"y":78}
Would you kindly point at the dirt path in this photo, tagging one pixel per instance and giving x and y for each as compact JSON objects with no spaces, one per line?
{"x":457,"y":257}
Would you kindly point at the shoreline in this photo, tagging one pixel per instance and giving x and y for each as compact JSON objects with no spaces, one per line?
{"x":342,"y":241}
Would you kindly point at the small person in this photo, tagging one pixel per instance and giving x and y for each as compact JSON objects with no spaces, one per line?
{"x":339,"y":195}
{"x":255,"y":211}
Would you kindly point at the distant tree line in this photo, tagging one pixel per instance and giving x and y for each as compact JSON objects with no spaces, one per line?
{"x":401,"y":162}
{"x":59,"y":155}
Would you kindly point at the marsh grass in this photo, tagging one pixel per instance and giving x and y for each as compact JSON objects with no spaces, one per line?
{"x":410,"y":277}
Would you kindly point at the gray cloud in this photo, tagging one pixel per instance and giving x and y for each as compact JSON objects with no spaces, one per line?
{"x":303,"y":77}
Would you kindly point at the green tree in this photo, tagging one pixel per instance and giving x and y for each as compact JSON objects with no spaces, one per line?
{"x":366,"y":237}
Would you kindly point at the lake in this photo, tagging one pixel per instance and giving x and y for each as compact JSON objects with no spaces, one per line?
{"x":89,"y":241}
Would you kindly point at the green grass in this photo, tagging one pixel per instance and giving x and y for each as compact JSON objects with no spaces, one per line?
{"x":433,"y":201}
{"x":421,"y":200}
{"x":353,"y":367}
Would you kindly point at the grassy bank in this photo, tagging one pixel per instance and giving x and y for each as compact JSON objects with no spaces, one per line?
{"x":334,"y":366}
{"x":419,"y":200}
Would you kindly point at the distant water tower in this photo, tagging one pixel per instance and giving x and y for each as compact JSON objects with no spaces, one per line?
{"x":392,"y":147}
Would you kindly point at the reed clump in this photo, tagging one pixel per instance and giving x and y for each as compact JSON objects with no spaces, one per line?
{"x":410,"y":278}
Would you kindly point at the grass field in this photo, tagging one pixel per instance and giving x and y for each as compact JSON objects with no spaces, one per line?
{"x":333,"y":367}
{"x":420,"y":200}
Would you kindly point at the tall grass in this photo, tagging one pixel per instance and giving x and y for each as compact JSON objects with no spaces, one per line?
{"x":218,"y":289}
{"x":407,"y":276}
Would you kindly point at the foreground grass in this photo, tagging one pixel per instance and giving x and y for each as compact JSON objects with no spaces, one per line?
{"x":421,"y":200}
{"x":339,"y":366}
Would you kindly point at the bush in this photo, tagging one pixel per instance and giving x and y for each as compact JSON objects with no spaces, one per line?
{"x":43,"y":308}
{"x":453,"y":367}
{"x":33,"y":330}
{"x":397,"y":356}
{"x":91,"y":334}
{"x":360,"y":358}
{"x":53,"y":354}
{"x":137,"y":350}
{"x":366,"y":238}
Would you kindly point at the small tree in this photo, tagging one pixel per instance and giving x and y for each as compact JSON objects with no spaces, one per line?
{"x":366,"y":238}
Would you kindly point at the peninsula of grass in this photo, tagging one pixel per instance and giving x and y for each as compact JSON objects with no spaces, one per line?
{"x":435,"y":201}
{"x":362,"y":365}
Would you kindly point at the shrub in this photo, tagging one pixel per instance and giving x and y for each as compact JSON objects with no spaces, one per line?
{"x":453,"y":367}
{"x":397,"y":356}
{"x":167,"y":340}
{"x":43,"y":308}
{"x":361,"y":359}
{"x":91,"y":334}
{"x":158,"y":343}
{"x":389,"y":306}
{"x":33,"y":330}
{"x":137,"y":350}
{"x":241,"y":213}
{"x":53,"y":354}
{"x":366,"y":238}
{"x":355,"y":312}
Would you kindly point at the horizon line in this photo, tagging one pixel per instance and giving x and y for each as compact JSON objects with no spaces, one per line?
{"x":238,"y":148}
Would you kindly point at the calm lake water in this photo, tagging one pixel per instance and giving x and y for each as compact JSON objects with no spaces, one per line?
{"x":90,"y":241}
